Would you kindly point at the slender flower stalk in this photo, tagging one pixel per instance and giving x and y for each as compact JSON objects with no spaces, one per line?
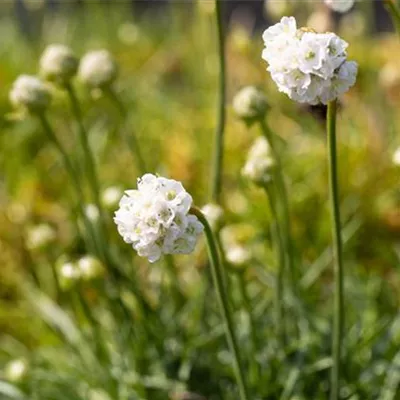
{"x":220,"y":130}
{"x":337,"y":343}
{"x":283,"y":200}
{"x":217,"y":275}
{"x":280,"y":250}
{"x":132,"y":140}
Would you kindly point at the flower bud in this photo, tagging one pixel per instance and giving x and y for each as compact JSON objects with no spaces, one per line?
{"x":69,"y":274}
{"x":15,"y":371}
{"x":98,"y":69}
{"x":30,"y":93}
{"x":58,"y":63}
{"x":260,"y":163}
{"x":40,"y":236}
{"x":214,"y":214}
{"x":111,"y":197}
{"x":90,"y":268}
{"x":341,"y":6}
{"x":250,"y":103}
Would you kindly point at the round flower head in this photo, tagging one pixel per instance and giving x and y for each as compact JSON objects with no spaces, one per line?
{"x":58,"y":63}
{"x":98,"y":69}
{"x":30,"y":93}
{"x":155,"y":218}
{"x":16,"y":370}
{"x":341,"y":6}
{"x":259,"y":162}
{"x":250,"y":103}
{"x":309,"y":67}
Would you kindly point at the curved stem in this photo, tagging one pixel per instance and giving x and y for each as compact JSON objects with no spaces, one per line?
{"x":220,"y":288}
{"x":132,"y":140}
{"x":337,"y":253}
{"x":219,"y":134}
{"x":280,"y":183}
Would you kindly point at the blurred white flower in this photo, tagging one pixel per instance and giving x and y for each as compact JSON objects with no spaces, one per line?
{"x":68,"y":274}
{"x":40,"y":236}
{"x":277,"y":9}
{"x":111,"y":196}
{"x":31,"y":93}
{"x":309,"y":67}
{"x":237,"y":255}
{"x":90,"y":268}
{"x":320,"y":20}
{"x":214,"y":214}
{"x":250,"y":102}
{"x":260,"y":163}
{"x":16,"y":370}
{"x":396,"y":157}
{"x":98,"y":69}
{"x":92,"y":212}
{"x":341,"y":6}
{"x":58,"y":63}
{"x":155,"y":218}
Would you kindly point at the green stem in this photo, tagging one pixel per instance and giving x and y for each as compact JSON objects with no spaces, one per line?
{"x":219,"y":134}
{"x":337,"y":253}
{"x":132,"y":140}
{"x":394,"y":12}
{"x":220,"y":288}
{"x":88,"y":156}
{"x":279,"y":248}
{"x":254,"y":369}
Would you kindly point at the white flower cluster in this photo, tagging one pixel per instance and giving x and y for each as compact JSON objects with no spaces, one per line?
{"x":309,"y":67}
{"x":155,"y":218}
{"x":341,"y":6}
{"x":30,"y":93}
{"x":58,"y":63}
{"x":98,"y":69}
{"x":259,"y":162}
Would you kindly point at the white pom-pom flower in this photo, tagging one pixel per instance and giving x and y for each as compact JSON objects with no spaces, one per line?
{"x":309,"y":67}
{"x":58,"y":63}
{"x":260,"y":162}
{"x":98,"y":69}
{"x":155,"y":218}
{"x":341,"y":6}
{"x":31,"y":93}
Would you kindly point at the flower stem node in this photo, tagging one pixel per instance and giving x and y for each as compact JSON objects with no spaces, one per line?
{"x":30,"y":93}
{"x":260,"y":163}
{"x":250,"y":104}
{"x":58,"y":64}
{"x":98,"y":69}
{"x":156,"y":222}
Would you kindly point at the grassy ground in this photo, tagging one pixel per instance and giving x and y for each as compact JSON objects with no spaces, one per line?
{"x":161,"y":335}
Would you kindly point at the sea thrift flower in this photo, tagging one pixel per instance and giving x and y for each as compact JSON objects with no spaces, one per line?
{"x":58,"y":63}
{"x":309,"y":67}
{"x":341,"y":6}
{"x":68,"y":274}
{"x":214,"y":214}
{"x":250,"y":103}
{"x":40,"y":236}
{"x":155,"y":218}
{"x":90,"y":268}
{"x":30,"y":93}
{"x":111,"y":196}
{"x":260,"y":163}
{"x":16,"y":370}
{"x":98,"y":69}
{"x":92,"y":212}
